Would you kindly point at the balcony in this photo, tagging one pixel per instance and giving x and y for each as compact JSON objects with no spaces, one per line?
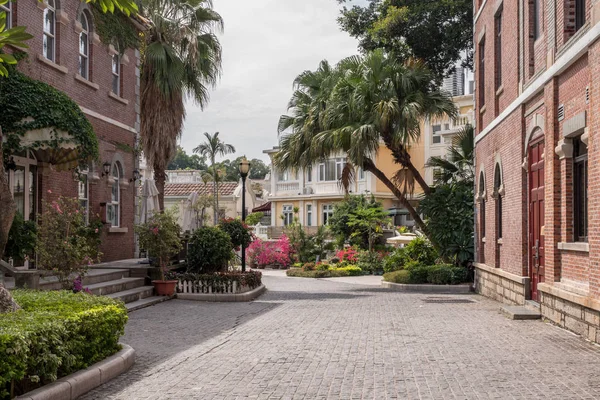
{"x":287,"y":187}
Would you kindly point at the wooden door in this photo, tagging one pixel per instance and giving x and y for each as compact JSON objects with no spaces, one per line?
{"x":536,"y":216}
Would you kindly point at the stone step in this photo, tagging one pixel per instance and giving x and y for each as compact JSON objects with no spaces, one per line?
{"x":118,"y":285}
{"x":131,"y":295}
{"x":92,"y":277}
{"x":146,"y":302}
{"x":532,"y":305}
{"x":520,"y":312}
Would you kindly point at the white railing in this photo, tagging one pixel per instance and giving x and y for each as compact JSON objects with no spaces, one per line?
{"x":288,"y":186}
{"x":230,"y":287}
{"x":260,"y":231}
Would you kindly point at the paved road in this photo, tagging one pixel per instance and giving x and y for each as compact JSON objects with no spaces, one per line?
{"x":327,"y":339}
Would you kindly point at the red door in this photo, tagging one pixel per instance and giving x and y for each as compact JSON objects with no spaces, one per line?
{"x":536,"y":216}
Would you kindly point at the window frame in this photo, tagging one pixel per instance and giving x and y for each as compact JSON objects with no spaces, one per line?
{"x":309,"y":174}
{"x":49,"y":36}
{"x":85,"y":23}
{"x":535,"y":12}
{"x":84,"y":201}
{"x":498,"y":48}
{"x":326,"y":213}
{"x":288,"y":214}
{"x":116,"y":75}
{"x":309,"y":214}
{"x":580,"y":192}
{"x":113,"y":204}
{"x":580,"y":19}
{"x":481,"y":72}
{"x":7,"y":9}
{"x":498,"y":198}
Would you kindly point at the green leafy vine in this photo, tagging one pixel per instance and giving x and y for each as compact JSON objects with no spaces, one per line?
{"x":29,"y":105}
{"x":115,"y":28}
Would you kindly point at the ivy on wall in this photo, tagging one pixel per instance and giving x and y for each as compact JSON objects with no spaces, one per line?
{"x":27,"y":104}
{"x":115,"y":28}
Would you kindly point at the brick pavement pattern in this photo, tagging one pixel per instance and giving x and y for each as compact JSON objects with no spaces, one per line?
{"x":322,"y":339}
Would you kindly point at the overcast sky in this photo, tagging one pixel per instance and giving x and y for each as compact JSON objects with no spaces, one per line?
{"x":266,"y":44}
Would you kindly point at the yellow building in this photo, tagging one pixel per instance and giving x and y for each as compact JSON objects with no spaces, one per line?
{"x":315,"y":191}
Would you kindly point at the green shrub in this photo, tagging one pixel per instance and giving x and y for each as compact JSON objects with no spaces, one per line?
{"x":55,"y":334}
{"x":401,"y":276}
{"x":352,"y":270}
{"x":439,"y":274}
{"x":370,"y":261}
{"x":459,"y":275}
{"x":309,"y":266}
{"x":297,"y":265}
{"x":322,"y":267}
{"x":210,"y":249}
{"x":395,"y":260}
{"x":421,"y":250}
{"x":418,"y":274}
{"x":301,"y":273}
{"x":238,"y":232}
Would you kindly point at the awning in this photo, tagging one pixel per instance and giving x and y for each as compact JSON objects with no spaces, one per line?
{"x":263,"y":208}
{"x":398,"y":211}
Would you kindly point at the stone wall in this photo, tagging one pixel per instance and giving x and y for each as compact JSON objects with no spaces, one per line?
{"x":500,"y":285}
{"x":579,"y":314}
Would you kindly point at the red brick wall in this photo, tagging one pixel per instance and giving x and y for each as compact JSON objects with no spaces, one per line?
{"x":115,"y":245}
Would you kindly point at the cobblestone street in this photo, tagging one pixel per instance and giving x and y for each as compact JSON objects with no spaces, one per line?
{"x":327,"y":339}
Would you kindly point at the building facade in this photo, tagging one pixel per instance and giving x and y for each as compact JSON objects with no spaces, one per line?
{"x":538,"y":157}
{"x":67,"y":53}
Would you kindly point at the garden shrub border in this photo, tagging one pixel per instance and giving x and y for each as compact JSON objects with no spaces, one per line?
{"x":56,"y":333}
{"x":330,"y":273}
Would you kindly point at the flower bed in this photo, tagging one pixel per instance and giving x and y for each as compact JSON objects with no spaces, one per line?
{"x":264,"y":253}
{"x":223,"y":282}
{"x":55,"y":334}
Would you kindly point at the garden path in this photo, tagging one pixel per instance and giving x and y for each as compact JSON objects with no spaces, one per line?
{"x":329,"y":339}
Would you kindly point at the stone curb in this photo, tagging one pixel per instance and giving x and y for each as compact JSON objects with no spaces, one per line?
{"x":215,"y":297}
{"x":72,"y":386}
{"x":454,"y":289}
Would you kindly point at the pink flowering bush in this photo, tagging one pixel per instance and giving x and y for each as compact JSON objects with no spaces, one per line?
{"x":65,"y":244}
{"x":265,"y":253}
{"x":349,"y":254}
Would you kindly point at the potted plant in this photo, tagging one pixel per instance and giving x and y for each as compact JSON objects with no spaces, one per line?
{"x":160,"y":237}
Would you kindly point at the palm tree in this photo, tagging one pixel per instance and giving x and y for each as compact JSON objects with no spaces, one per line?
{"x":363,"y":101}
{"x":212,"y":147}
{"x":458,"y":166}
{"x":181,"y":59}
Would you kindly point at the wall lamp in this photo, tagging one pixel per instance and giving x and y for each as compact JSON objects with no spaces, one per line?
{"x":136,"y":176}
{"x":106,"y":168}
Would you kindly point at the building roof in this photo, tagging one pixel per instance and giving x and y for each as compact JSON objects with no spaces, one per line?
{"x":185,"y":189}
{"x":263,"y":208}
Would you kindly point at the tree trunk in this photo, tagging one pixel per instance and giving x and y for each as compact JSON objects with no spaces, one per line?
{"x":8,"y":207}
{"x":402,"y":157}
{"x":159,"y":178}
{"x":370,"y":166}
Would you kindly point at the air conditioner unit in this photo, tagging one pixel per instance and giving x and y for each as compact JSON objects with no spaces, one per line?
{"x":307,"y":190}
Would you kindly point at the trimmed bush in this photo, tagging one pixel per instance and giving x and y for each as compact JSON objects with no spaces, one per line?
{"x":418,"y":274}
{"x":421,"y":250}
{"x":439,"y":274}
{"x":395,"y":260}
{"x":459,"y":275}
{"x":55,"y":334}
{"x":350,"y":270}
{"x":210,"y":249}
{"x":401,"y":276}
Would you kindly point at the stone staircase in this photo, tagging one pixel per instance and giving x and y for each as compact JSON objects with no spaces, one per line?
{"x":123,"y":284}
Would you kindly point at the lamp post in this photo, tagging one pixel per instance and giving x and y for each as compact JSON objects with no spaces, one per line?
{"x":244,"y":169}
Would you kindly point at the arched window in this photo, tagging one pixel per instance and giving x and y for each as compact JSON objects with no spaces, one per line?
{"x":116,"y":73}
{"x":113,"y":209}
{"x":84,"y":47}
{"x":481,"y":196}
{"x":498,"y":198}
{"x":50,"y":31}
{"x":7,"y":9}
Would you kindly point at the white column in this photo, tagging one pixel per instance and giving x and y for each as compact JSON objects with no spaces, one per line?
{"x":301,"y":212}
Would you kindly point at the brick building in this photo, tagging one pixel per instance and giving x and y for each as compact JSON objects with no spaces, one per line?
{"x":67,"y":53}
{"x":537,"y":101}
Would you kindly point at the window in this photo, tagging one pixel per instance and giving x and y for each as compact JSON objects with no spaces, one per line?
{"x":579,"y":14}
{"x":580,"y":183}
{"x":437,"y":139}
{"x":498,"y":198}
{"x":84,"y":196}
{"x":309,"y":174}
{"x":84,"y":48}
{"x":116,"y":74}
{"x":535,"y":17}
{"x":361,"y":174}
{"x":285,"y":176}
{"x":23,"y":184}
{"x":331,"y":169}
{"x":498,"y":48}
{"x":309,"y":215}
{"x":327,"y":213}
{"x":481,"y":69}
{"x":113,"y":207}
{"x":49,"y":41}
{"x":288,"y":215}
{"x":446,"y":127}
{"x":482,"y":206}
{"x":7,"y":8}
{"x":436,"y":128}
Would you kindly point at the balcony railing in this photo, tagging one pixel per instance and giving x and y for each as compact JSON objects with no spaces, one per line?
{"x":288,"y":187}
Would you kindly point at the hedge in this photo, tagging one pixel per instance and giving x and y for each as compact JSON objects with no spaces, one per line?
{"x":55,"y":334}
{"x":441,"y":274}
{"x":252,"y":279}
{"x":330,"y":273}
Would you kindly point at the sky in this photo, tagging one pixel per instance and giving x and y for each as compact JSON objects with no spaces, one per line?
{"x":266,"y":44}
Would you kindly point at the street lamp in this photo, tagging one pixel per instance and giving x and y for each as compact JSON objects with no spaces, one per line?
{"x":244,"y":169}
